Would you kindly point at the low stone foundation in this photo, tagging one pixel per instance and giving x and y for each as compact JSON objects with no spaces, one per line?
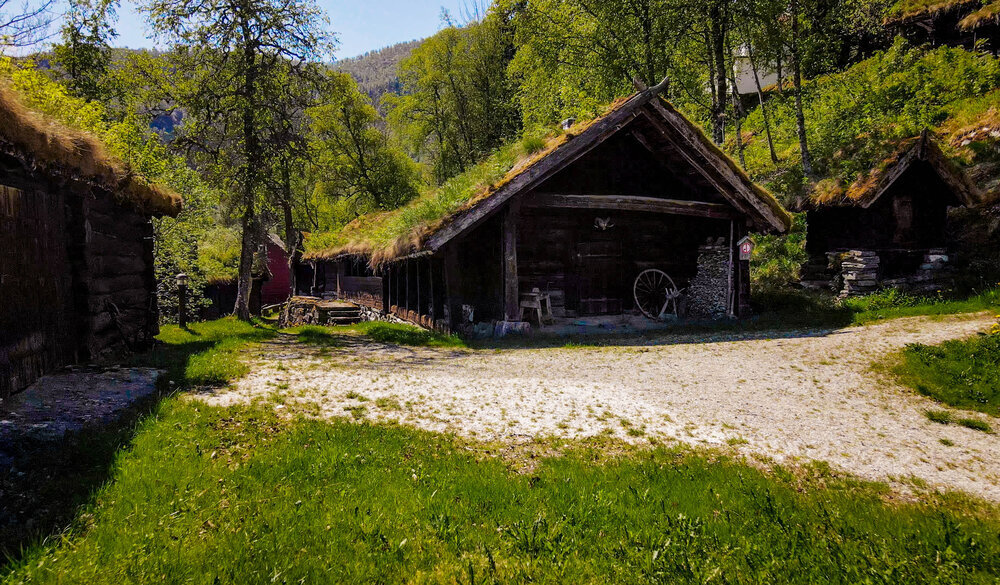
{"x":860,"y":272}
{"x":708,"y":292}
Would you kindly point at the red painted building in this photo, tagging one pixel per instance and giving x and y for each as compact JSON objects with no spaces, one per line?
{"x":276,"y":288}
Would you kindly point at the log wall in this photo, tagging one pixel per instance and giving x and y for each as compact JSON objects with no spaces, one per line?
{"x":76,"y":276}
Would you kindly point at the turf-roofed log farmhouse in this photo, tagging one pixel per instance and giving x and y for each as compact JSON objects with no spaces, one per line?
{"x":635,"y":212}
{"x":76,"y":249}
{"x":890,"y":228}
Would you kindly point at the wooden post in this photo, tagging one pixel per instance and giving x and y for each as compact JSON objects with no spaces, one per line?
{"x":743,"y":279}
{"x":452,"y":300}
{"x":511,"y":297}
{"x":430,"y":283}
{"x":386,"y":288}
{"x":416,"y":268}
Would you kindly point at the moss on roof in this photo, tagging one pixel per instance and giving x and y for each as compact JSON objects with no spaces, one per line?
{"x":40,"y":141}
{"x":868,"y":187}
{"x":388,"y":235}
{"x":981,"y":12}
{"x":907,"y":9}
{"x":989,"y":13}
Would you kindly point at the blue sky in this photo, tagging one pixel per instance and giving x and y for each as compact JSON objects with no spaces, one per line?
{"x":361,"y":25}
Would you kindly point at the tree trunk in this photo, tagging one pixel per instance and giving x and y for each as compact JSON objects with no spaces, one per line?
{"x":292,"y":236}
{"x":780,"y":71}
{"x":251,"y":150}
{"x":244,"y":281}
{"x":760,"y":101}
{"x":718,"y":48}
{"x":800,"y":118}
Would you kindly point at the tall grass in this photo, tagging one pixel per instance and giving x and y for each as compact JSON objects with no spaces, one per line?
{"x":211,"y":495}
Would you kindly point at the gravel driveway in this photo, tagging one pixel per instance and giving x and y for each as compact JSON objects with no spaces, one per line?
{"x":806,"y":395}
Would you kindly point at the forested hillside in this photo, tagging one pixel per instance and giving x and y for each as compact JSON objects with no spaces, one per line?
{"x":377,"y":72}
{"x":418,"y":126}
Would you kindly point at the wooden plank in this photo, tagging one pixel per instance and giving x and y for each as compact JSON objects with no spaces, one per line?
{"x":706,"y":173}
{"x":631,"y":203}
{"x":511,"y":296}
{"x":559,"y":159}
{"x":452,"y":298}
{"x":691,"y":135}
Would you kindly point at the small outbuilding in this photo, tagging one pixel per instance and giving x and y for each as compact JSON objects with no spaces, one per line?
{"x":76,"y":248}
{"x":635,"y":211}
{"x":890,"y":228}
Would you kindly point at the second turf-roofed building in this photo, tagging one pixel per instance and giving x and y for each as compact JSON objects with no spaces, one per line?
{"x":635,"y":211}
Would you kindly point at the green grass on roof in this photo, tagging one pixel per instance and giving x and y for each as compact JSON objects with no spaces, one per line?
{"x":389,"y":234}
{"x":904,"y":9}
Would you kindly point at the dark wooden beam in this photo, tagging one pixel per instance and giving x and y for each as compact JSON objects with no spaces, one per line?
{"x":693,"y":137}
{"x":511,"y":294}
{"x":631,"y":203}
{"x":563,"y":156}
{"x":717,"y":182}
{"x":684,"y":173}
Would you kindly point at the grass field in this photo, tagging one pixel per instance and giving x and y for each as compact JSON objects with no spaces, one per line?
{"x":211,"y":495}
{"x":963,"y":374}
{"x":192,"y":493}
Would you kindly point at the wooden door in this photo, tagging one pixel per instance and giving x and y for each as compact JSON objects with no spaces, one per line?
{"x":599,"y":274}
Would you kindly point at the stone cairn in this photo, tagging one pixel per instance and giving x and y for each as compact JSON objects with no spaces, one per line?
{"x":859,"y":272}
{"x":708,"y":292}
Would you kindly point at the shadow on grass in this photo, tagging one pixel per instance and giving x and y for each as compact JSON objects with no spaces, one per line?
{"x":381,"y":332}
{"x":46,"y":481}
{"x":783,"y":314}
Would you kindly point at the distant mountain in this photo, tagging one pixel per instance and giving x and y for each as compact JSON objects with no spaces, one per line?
{"x":377,"y":72}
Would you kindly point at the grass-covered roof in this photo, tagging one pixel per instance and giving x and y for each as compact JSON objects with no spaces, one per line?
{"x":393,"y":234}
{"x":871,"y":186}
{"x":858,"y":122}
{"x":42,"y":142}
{"x":976,"y":12}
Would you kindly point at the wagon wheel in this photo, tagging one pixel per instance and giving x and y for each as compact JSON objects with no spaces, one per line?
{"x":655,"y":294}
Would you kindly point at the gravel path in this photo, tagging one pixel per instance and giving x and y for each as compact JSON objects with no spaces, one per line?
{"x":810,"y":395}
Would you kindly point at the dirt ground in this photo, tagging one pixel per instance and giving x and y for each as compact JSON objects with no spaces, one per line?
{"x":807,"y":395}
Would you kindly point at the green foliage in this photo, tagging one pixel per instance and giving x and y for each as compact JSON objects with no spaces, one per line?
{"x":942,"y":417}
{"x":892,"y":305}
{"x":856,"y":118}
{"x":964,"y":374}
{"x":219,"y":254}
{"x":241,"y":72}
{"x":400,"y":334}
{"x":889,"y":298}
{"x":975,"y":424}
{"x":777,"y":260}
{"x":394,"y":333}
{"x":239,"y":495}
{"x":84,"y":54}
{"x":352,"y":154}
{"x":457,"y":104}
{"x":575,"y":56}
{"x":381,"y":231}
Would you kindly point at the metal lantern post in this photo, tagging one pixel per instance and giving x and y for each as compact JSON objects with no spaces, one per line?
{"x":182,"y":284}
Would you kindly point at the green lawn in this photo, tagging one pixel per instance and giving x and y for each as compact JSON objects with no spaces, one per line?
{"x":213,"y":495}
{"x":964,"y":373}
{"x":202,"y":494}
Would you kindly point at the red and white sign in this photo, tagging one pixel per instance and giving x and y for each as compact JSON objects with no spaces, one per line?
{"x":746,"y":248}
